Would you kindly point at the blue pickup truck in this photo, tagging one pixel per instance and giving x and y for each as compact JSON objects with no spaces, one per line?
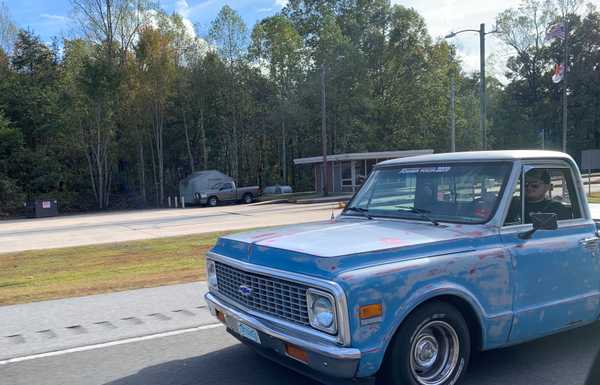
{"x":434,"y":258}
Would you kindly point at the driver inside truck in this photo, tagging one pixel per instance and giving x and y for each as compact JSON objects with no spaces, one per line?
{"x":537,"y":186}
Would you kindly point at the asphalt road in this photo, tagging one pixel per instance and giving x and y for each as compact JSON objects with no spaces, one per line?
{"x":212,"y":356}
{"x":77,"y":230}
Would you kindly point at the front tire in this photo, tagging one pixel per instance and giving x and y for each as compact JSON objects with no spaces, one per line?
{"x":431,"y":347}
{"x":212,"y":201}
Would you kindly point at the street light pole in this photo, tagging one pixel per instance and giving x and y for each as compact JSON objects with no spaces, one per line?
{"x":482,"y":86}
{"x":482,"y":98}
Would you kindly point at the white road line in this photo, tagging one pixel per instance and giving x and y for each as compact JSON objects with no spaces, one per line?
{"x":109,"y":344}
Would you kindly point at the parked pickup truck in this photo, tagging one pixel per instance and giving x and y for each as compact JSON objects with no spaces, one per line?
{"x":435,"y":257}
{"x":227,"y":192}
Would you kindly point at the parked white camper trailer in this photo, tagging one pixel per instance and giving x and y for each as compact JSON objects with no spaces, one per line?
{"x":201,"y":181}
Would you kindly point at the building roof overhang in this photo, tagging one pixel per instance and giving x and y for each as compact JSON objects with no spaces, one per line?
{"x":363,"y":156}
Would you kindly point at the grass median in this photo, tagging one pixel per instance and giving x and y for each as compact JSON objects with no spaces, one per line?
{"x":594,"y":198}
{"x":75,"y":271}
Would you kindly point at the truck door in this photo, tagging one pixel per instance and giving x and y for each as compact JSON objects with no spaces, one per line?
{"x":227,"y":192}
{"x":556,"y":272}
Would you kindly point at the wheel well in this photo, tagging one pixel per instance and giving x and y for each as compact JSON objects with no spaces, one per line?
{"x":465,"y":309}
{"x":470,"y":315}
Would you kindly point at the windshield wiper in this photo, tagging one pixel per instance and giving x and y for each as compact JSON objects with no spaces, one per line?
{"x":365,"y":212}
{"x":422,"y":213}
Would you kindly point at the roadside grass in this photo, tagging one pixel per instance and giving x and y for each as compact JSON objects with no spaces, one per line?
{"x":594,"y":197}
{"x":289,"y":197}
{"x":76,"y":271}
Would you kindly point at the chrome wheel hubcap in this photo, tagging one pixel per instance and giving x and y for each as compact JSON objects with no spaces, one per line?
{"x":427,"y":351}
{"x":434,"y":353}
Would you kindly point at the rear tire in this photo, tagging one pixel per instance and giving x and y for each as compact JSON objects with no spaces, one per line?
{"x":431,"y":347}
{"x":247,"y":199}
{"x":212,"y":201}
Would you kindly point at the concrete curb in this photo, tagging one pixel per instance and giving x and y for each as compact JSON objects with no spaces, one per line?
{"x":340,"y":198}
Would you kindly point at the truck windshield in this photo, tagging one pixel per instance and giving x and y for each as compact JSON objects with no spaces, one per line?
{"x":459,"y":193}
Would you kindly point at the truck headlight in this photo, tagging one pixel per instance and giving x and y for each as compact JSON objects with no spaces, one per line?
{"x":211,"y":274}
{"x":321,"y":311}
{"x":203,"y":196}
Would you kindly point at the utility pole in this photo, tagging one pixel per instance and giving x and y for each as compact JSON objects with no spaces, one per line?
{"x":543,"y":138}
{"x":482,"y":96}
{"x":452,"y":115}
{"x":324,"y":131}
{"x":566,"y":64}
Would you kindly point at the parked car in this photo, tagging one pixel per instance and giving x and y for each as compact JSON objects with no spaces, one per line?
{"x":278,"y":189}
{"x":227,"y":192}
{"x":435,"y":257}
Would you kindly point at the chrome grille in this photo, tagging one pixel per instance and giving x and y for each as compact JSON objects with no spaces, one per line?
{"x":273,"y":296}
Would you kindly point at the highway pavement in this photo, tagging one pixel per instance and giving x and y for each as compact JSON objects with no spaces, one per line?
{"x":166,"y":336}
{"x":212,"y":356}
{"x":87,"y":229}
{"x":77,"y":230}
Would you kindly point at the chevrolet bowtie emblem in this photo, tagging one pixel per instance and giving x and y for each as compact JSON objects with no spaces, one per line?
{"x":245,"y":290}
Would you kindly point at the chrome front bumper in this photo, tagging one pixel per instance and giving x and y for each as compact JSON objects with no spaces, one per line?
{"x":324,"y":357}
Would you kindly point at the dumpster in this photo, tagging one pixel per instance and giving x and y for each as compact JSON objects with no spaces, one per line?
{"x":42,"y":208}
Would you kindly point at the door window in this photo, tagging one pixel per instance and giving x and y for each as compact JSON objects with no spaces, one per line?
{"x":547,"y":190}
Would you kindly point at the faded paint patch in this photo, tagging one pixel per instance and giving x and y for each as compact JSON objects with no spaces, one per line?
{"x":264,"y":235}
{"x":392,"y":241}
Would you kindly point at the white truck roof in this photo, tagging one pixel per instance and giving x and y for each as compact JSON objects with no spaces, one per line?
{"x":478,"y":156}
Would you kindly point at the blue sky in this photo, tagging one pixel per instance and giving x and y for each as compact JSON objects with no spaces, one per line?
{"x":49,"y":18}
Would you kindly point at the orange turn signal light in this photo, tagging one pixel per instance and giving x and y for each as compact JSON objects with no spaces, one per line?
{"x":220,"y":316}
{"x":296,"y":353}
{"x":370,"y":311}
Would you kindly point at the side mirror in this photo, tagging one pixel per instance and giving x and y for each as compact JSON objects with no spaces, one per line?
{"x":541,"y":221}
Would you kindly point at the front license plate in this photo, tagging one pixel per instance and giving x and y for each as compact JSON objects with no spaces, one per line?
{"x":249,"y":333}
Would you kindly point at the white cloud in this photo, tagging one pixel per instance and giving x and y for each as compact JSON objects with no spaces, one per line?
{"x":264,"y":10}
{"x":445,"y":16}
{"x":182,"y":6}
{"x":183,"y":9}
{"x":195,"y":10}
{"x":56,"y":18}
{"x":281,"y":3}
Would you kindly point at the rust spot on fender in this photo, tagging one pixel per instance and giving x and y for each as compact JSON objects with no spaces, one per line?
{"x":392,"y":241}
{"x":264,"y":235}
{"x":474,"y":233}
{"x":434,"y":272}
{"x":491,"y":254}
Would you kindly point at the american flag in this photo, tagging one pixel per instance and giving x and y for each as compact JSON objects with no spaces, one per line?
{"x":556,"y":31}
{"x":559,"y":73}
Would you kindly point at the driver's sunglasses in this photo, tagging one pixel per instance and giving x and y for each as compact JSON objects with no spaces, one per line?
{"x":534,"y":185}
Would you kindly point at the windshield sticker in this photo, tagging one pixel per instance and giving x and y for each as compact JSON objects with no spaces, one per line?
{"x":424,"y":170}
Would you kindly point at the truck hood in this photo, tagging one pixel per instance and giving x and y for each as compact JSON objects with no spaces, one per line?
{"x":347,"y":243}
